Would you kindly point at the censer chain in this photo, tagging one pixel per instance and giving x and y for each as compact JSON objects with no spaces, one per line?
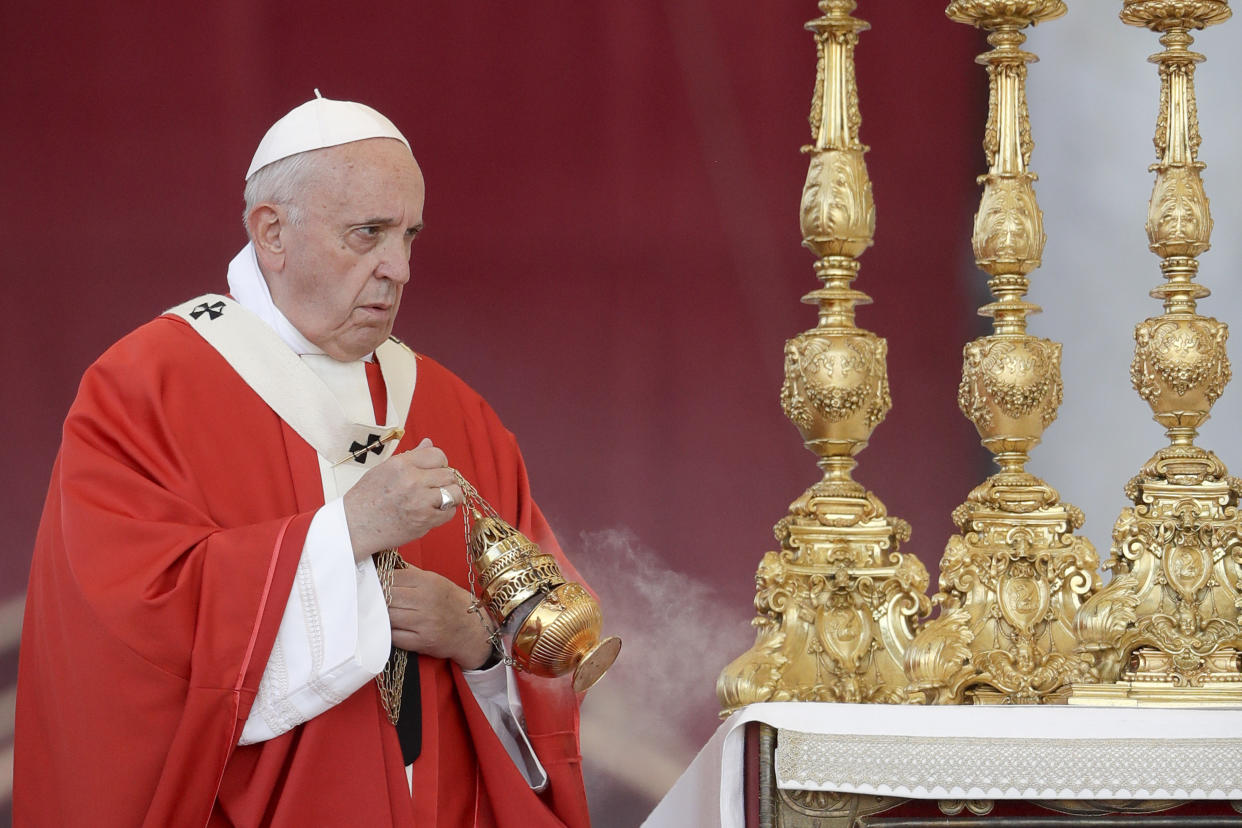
{"x":475,"y":502}
{"x":391,"y":679}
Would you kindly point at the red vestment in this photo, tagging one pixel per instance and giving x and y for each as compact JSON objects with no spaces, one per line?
{"x":173,"y":525}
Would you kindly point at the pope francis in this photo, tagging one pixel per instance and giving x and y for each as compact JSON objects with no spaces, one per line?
{"x":208,"y":637}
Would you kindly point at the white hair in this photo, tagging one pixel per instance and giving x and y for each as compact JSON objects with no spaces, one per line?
{"x":280,"y":182}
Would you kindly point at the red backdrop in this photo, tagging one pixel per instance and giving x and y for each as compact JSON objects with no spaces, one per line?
{"x":612,"y":247}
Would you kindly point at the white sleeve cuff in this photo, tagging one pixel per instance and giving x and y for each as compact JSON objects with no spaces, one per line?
{"x":333,"y":638}
{"x":495,"y":689}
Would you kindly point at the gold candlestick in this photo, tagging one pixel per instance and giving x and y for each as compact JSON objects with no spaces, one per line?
{"x":1167,"y":625}
{"x":1012,"y":581}
{"x":838,"y":603}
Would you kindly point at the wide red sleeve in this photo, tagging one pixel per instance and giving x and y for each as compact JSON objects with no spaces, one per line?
{"x":166,"y":552}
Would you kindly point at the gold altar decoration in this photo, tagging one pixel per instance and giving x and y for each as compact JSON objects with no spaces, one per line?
{"x":555,"y":624}
{"x":1013,"y":580}
{"x":1167,"y":626}
{"x":837,"y":604}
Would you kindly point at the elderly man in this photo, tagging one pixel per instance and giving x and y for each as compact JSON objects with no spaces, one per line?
{"x":206,"y":619}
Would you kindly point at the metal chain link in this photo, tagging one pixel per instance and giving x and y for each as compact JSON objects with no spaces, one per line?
{"x":474,"y":502}
{"x":391,"y":680}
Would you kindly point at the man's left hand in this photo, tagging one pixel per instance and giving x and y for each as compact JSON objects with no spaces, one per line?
{"x":430,"y":614}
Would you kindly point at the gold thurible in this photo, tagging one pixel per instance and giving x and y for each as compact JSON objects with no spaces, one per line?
{"x":1012,"y":581}
{"x":555,"y":625}
{"x":837,"y":604}
{"x":1166,"y":628}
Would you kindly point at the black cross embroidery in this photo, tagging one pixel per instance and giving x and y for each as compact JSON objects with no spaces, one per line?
{"x":359,"y":451}
{"x":214,"y":311}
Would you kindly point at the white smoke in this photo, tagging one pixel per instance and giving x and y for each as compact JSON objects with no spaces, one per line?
{"x":648,"y":717}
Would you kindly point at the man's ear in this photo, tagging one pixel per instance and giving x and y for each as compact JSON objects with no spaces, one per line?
{"x":267,"y":225}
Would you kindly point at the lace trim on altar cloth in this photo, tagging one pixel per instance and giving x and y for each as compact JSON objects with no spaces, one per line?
{"x":1001,"y":768}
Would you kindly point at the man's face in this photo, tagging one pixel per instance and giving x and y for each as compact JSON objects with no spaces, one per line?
{"x":345,"y":264}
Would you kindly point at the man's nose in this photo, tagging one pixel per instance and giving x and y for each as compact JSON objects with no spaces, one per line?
{"x":394,"y":263}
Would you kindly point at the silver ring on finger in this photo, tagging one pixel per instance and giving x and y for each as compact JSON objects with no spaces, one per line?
{"x":446,"y":500}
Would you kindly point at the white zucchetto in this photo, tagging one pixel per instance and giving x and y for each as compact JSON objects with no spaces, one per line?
{"x":318,"y":123}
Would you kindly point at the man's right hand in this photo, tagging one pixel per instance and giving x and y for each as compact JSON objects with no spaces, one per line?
{"x":399,"y":500}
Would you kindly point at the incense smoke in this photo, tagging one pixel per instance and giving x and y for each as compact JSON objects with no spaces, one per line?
{"x":648,"y":717}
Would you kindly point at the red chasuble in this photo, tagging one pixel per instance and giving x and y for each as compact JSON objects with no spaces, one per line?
{"x":173,"y":526}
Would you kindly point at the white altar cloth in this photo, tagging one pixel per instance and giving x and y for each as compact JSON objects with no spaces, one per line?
{"x":967,"y":752}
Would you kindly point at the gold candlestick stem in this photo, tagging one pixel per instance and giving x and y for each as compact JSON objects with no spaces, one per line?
{"x":837,"y":604}
{"x":1012,"y":581}
{"x":1167,"y":625}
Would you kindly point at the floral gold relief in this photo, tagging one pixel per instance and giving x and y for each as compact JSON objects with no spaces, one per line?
{"x":1009,"y":227}
{"x":836,"y":386}
{"x":1161,"y":15}
{"x":838,"y":214}
{"x":1014,"y":578}
{"x":1166,"y":629}
{"x":1179,"y":221}
{"x":837,"y":603}
{"x":993,"y":14}
{"x":1180,"y":367}
{"x":1011,"y":387}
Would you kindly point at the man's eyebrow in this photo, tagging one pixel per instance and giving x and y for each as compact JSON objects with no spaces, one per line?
{"x":386,"y":221}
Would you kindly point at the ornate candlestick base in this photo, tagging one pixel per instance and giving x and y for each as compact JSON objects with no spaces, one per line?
{"x":837,"y":606}
{"x":1010,"y":586}
{"x":1166,"y":629}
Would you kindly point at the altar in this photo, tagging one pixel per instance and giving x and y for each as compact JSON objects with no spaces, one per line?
{"x":846,"y":765}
